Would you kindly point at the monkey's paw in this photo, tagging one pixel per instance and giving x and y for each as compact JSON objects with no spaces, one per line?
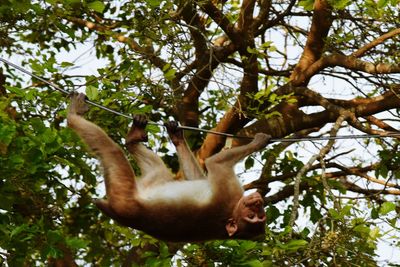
{"x":140,"y":121}
{"x":137,"y":132}
{"x":261,"y":139}
{"x":78,"y":104}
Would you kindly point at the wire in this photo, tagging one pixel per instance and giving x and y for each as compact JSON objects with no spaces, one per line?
{"x":189,"y":128}
{"x":65,"y":92}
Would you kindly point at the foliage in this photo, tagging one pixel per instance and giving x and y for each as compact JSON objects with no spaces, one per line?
{"x":286,"y":68}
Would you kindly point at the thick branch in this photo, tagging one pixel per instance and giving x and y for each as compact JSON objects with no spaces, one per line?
{"x":321,"y":23}
{"x":219,"y":18}
{"x":360,"y":52}
{"x":293,"y":120}
{"x":368,"y":192}
{"x":353,"y":171}
{"x":192,"y":18}
{"x":288,"y":191}
{"x":381,"y":124}
{"x":284,"y":193}
{"x":262,"y":17}
{"x":188,"y":106}
{"x":246,"y":15}
{"x":351,"y":63}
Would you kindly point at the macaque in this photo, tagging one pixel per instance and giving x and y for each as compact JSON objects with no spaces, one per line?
{"x":205,"y":206}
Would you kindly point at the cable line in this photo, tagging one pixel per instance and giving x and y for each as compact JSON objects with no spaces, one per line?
{"x":189,"y":128}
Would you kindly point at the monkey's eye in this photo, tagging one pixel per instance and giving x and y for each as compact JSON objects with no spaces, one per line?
{"x":251,"y":216}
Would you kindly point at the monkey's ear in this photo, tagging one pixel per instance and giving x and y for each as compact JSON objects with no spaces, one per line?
{"x":231,"y":227}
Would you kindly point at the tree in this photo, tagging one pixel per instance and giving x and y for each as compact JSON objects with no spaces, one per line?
{"x":286,"y":68}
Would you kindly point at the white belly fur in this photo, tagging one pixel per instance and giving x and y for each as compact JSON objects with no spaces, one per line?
{"x":197,"y":192}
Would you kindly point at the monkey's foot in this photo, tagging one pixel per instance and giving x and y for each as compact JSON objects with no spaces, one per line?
{"x":261,"y":139}
{"x":137,"y":132}
{"x":78,"y":104}
{"x":174,"y":132}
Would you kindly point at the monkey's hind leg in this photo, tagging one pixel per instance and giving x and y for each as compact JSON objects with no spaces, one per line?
{"x":119,"y":176}
{"x":187,"y":160}
{"x":151,"y":165}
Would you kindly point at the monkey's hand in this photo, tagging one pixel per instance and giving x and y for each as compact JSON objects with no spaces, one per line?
{"x":78,"y":105}
{"x":174,"y":132}
{"x":261,"y":140}
{"x":137,"y":132}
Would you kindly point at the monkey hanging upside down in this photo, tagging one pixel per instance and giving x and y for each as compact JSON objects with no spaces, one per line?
{"x":202,"y":207}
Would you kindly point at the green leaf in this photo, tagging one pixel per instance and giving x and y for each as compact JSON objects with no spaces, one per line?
{"x":54,"y":236}
{"x":97,"y":6}
{"x":252,"y":50}
{"x":383,"y":171}
{"x":267,"y":263}
{"x":154,"y":3}
{"x":249,"y":163}
{"x":247,"y":245}
{"x":19,"y":229}
{"x":48,"y":136}
{"x":383,"y":3}
{"x":260,"y":94}
{"x":16,"y":161}
{"x":252,"y":263}
{"x":272,"y":213}
{"x":52,"y":252}
{"x":296,"y":244}
{"x":16,"y":90}
{"x":307,"y":4}
{"x":232,"y":243}
{"x":387,"y":207}
{"x":7,"y":133}
{"x":362,"y":229}
{"x":340,"y":4}
{"x":374,"y":213}
{"x":345,"y":210}
{"x":38,"y":125}
{"x":374,"y":234}
{"x":166,"y":67}
{"x":170,"y":74}
{"x":335,"y":214}
{"x":76,"y":243}
{"x":65,"y":64}
{"x":92,"y":92}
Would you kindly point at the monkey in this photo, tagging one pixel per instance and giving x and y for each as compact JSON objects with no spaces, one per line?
{"x":205,"y":206}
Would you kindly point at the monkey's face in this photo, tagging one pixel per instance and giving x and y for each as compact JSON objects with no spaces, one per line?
{"x":250,"y":209}
{"x":248,"y":217}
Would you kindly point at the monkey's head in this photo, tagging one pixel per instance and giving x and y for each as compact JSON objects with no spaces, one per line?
{"x":248,"y":218}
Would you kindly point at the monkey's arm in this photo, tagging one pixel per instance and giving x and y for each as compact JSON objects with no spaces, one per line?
{"x":220,"y":166}
{"x":187,"y":161}
{"x":230,"y":157}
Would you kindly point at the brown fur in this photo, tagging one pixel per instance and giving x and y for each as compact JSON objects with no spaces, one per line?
{"x":202,"y":207}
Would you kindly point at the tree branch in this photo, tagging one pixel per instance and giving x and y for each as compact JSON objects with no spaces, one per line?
{"x":293,"y":120}
{"x":345,"y":115}
{"x":360,"y":52}
{"x":157,"y":61}
{"x":320,"y":25}
{"x":219,"y":18}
